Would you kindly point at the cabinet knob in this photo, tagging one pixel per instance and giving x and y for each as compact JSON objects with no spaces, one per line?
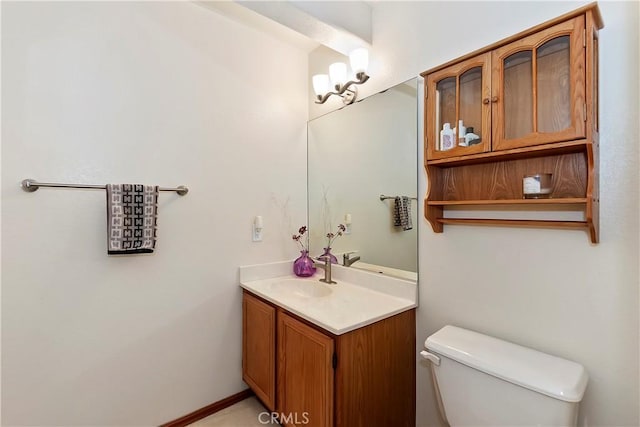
{"x":485,"y":101}
{"x":494,"y":99}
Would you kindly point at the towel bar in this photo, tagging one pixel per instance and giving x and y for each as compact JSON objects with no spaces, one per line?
{"x":31,"y":185}
{"x":383,"y":197}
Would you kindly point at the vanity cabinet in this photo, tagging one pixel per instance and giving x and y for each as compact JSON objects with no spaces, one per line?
{"x":365,"y":377}
{"x":531,"y":100}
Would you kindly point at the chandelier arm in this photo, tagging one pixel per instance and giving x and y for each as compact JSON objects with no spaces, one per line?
{"x":361,"y":80}
{"x":323,"y":99}
{"x":362,"y":77}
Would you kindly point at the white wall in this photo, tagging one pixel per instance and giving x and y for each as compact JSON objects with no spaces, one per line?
{"x":151,"y":92}
{"x":548,"y":289}
{"x":91,"y":89}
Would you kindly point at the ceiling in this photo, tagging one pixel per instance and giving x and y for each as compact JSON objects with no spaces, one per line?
{"x":341,"y":26}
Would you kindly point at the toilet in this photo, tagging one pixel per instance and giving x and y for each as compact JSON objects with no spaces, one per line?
{"x":484,"y":381}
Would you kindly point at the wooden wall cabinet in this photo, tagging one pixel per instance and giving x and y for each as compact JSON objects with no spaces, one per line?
{"x":362,"y":378}
{"x":532,"y":101}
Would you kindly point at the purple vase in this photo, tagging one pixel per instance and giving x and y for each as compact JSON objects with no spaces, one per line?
{"x":327,"y":253}
{"x":303,"y":266}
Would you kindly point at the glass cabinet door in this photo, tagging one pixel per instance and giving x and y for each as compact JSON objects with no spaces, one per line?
{"x":458,"y":110}
{"x":538,"y":88}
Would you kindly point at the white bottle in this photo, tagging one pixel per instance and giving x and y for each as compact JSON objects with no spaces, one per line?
{"x":446,"y":138}
{"x":462,"y":131}
{"x":469,"y":137}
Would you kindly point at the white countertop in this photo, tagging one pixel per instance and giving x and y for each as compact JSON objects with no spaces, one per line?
{"x":394,"y":272}
{"x":359,"y":298}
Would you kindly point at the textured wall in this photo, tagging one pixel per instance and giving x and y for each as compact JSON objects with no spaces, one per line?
{"x":160,"y":93}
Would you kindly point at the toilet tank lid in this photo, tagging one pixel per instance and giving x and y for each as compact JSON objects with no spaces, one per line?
{"x":532,"y":369}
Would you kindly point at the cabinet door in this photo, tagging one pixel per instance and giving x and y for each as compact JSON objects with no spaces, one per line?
{"x":259,"y":348}
{"x":305,"y":374}
{"x":538,"y":87}
{"x":459,"y":93}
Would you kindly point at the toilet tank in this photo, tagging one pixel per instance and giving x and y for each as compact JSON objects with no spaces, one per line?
{"x":485,"y":381}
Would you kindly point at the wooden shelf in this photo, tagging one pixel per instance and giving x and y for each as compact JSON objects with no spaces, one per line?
{"x":516,"y":223}
{"x":514,"y":154}
{"x":560,"y":201}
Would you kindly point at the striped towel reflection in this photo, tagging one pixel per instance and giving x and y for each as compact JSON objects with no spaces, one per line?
{"x":402,"y":213}
{"x":131,"y":218}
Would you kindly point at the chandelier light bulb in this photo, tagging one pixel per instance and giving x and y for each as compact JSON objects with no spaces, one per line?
{"x":338,"y":74}
{"x":320,"y":84}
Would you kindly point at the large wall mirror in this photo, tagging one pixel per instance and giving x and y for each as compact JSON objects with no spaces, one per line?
{"x":356,"y":155}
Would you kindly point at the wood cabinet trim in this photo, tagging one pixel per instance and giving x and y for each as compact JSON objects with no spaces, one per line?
{"x":560,"y":201}
{"x":516,"y":153}
{"x":528,"y":223}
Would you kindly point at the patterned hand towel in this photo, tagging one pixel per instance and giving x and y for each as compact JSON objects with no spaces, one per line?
{"x":131,"y":218}
{"x":402,"y":213}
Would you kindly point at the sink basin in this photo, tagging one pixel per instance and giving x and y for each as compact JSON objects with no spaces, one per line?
{"x":301,"y":288}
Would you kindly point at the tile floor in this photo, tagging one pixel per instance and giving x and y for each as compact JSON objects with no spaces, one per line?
{"x":245,"y":413}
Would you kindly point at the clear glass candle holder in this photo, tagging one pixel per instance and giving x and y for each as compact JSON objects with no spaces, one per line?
{"x":537,"y":186}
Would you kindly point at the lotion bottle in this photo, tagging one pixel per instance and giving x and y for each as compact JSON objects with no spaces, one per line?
{"x":446,"y":138}
{"x":471,"y":138}
{"x":462,"y":130}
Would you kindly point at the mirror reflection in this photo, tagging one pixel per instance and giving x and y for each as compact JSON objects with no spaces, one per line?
{"x":362,"y":173}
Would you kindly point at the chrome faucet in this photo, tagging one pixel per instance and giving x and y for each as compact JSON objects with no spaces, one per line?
{"x":327,"y":269}
{"x":347,"y":261}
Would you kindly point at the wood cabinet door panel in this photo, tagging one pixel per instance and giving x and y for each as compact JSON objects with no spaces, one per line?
{"x":259,"y":348}
{"x":538,"y":88}
{"x":305,"y":374}
{"x":459,"y":92}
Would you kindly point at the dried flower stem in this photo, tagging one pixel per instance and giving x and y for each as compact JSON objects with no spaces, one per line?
{"x":333,"y":236}
{"x":298,"y":237}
